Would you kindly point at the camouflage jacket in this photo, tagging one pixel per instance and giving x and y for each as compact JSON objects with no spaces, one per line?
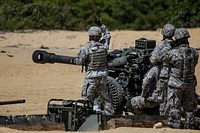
{"x":183,"y":60}
{"x":160,"y":50}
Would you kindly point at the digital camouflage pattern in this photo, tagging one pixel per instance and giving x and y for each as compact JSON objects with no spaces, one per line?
{"x":94,"y":31}
{"x":181,"y":33}
{"x":181,"y":86}
{"x":159,"y":52}
{"x":157,"y":93}
{"x":93,"y":55}
{"x":168,"y":30}
{"x":106,"y":36}
{"x":148,"y":87}
{"x":160,"y":93}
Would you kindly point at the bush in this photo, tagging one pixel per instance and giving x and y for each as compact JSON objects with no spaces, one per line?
{"x":78,"y":14}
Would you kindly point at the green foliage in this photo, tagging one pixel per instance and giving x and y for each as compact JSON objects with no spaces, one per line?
{"x":116,"y":14}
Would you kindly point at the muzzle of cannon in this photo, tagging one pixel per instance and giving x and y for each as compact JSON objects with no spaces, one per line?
{"x":42,"y":57}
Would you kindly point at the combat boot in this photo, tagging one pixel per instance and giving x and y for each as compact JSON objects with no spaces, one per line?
{"x":175,"y":124}
{"x":194,"y":125}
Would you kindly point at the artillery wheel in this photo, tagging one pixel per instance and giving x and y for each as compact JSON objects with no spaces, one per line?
{"x":117,"y":94}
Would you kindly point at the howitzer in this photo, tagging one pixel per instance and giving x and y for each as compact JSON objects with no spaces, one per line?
{"x":127,"y":68}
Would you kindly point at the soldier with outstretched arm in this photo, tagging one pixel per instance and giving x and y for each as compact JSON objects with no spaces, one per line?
{"x":93,"y":55}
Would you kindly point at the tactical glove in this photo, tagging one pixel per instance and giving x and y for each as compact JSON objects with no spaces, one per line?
{"x":97,"y":21}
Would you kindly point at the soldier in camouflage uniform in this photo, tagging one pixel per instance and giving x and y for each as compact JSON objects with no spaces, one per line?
{"x":136,"y":104}
{"x":181,"y":85}
{"x":157,"y":76}
{"x":167,"y":43}
{"x":105,"y":40}
{"x":93,"y":55}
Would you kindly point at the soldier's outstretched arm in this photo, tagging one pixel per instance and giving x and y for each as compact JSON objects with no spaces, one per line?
{"x":106,"y":34}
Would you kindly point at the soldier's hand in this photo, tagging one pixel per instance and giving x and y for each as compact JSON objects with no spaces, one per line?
{"x":97,"y":21}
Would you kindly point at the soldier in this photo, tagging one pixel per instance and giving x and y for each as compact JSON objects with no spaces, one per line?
{"x":136,"y":104}
{"x":160,"y":50}
{"x":161,"y":71}
{"x":181,"y":85}
{"x":93,"y":55}
{"x":105,"y":40}
{"x":159,"y":80}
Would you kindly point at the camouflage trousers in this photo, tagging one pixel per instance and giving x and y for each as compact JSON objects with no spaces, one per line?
{"x":179,"y":96}
{"x":139,"y":102}
{"x":163,"y":85}
{"x":160,"y":96}
{"x":97,"y":87}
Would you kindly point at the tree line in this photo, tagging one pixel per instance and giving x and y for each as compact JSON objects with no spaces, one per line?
{"x":116,"y":14}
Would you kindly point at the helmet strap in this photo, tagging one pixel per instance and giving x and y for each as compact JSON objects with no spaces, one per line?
{"x":182,"y":41}
{"x":94,"y":38}
{"x":167,"y":37}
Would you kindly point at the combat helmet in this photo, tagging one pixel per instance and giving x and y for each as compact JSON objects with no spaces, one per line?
{"x":94,"y":31}
{"x":181,"y":33}
{"x":168,"y":30}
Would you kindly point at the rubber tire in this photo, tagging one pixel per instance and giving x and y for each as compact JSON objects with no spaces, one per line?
{"x":117,"y":95}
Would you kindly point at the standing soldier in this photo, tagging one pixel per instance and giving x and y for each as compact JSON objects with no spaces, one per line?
{"x":93,"y":55}
{"x":154,"y":84}
{"x":105,"y":40}
{"x":181,"y":85}
{"x":167,"y":43}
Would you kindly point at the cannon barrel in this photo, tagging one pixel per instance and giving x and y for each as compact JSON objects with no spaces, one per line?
{"x":42,"y":57}
{"x":119,"y":61}
{"x":12,"y":102}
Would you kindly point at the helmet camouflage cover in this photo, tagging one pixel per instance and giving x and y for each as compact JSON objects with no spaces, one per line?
{"x":94,"y":31}
{"x":168,"y":30}
{"x":181,"y":33}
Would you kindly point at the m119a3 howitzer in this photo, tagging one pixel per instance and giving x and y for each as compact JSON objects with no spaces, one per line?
{"x":126,"y":69}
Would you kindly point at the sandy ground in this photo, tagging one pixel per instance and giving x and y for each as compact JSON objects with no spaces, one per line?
{"x":20,"y":78}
